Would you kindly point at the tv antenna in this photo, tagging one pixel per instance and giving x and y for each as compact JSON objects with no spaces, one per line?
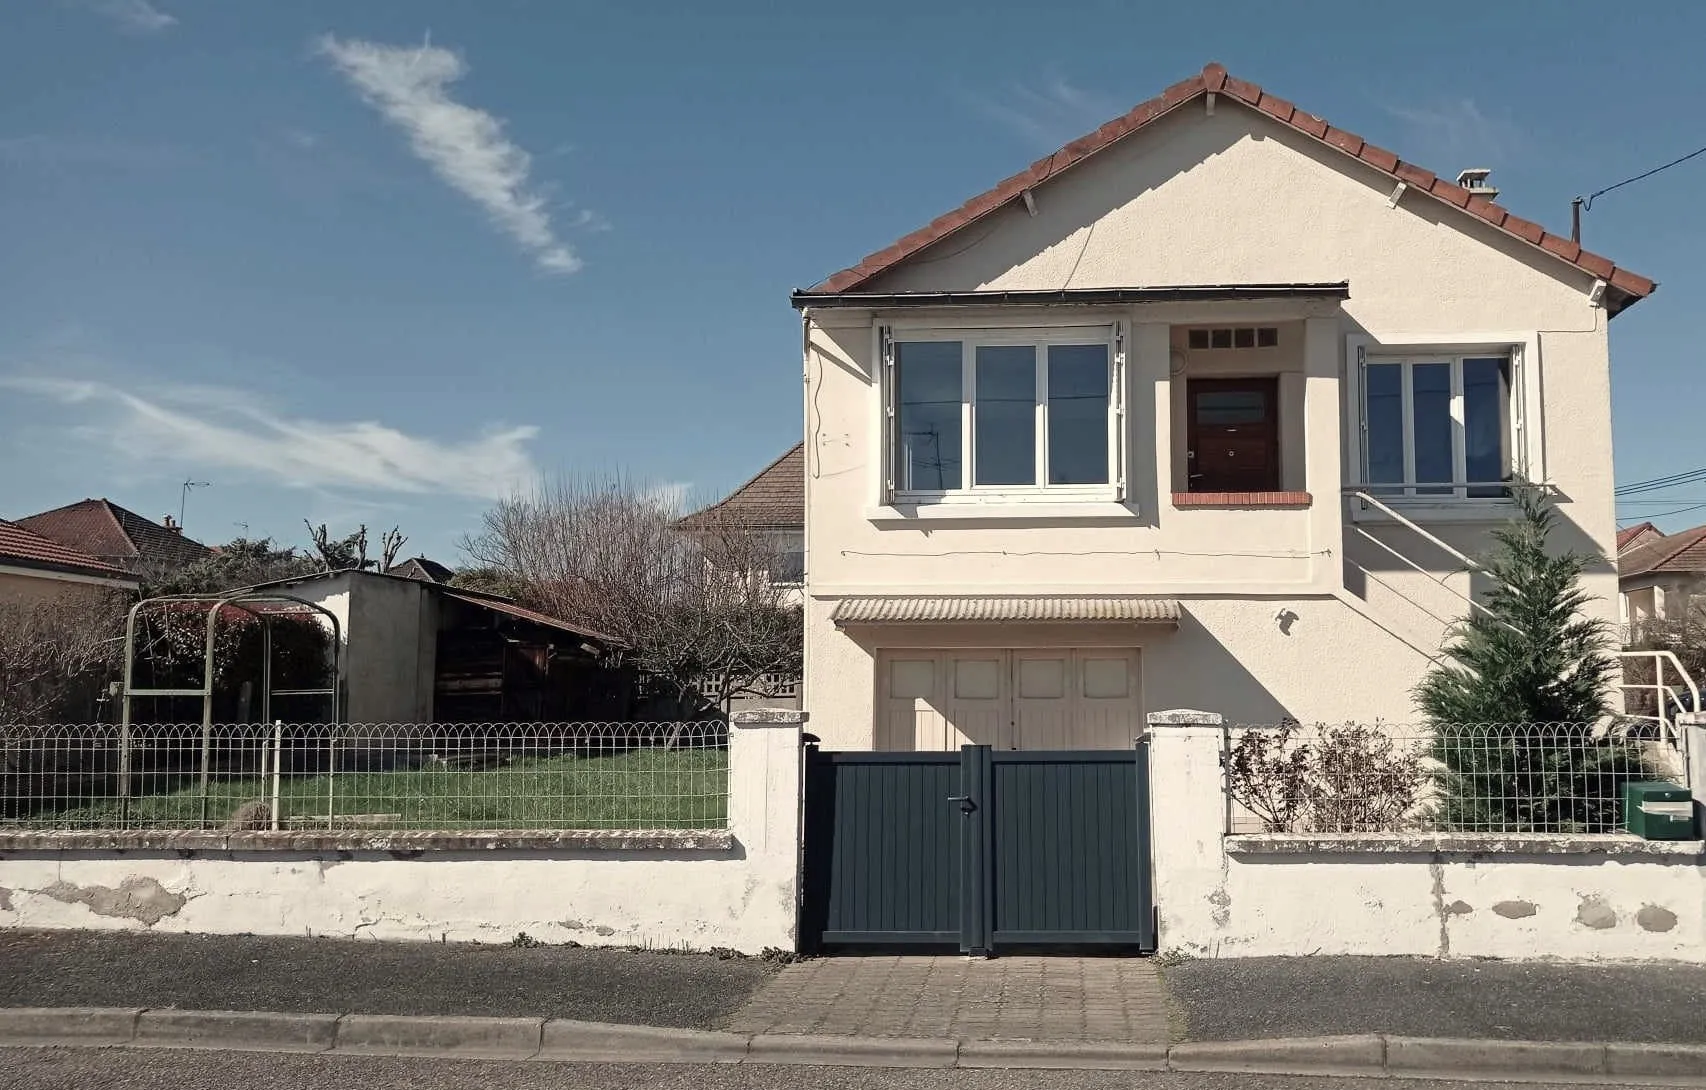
{"x":184,"y":497}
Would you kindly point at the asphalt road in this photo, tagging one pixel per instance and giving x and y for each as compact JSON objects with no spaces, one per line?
{"x":245,"y":972}
{"x":1419,"y":997}
{"x":131,"y":1069}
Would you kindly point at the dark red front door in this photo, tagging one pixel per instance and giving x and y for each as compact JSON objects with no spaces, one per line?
{"x":1232,"y":430}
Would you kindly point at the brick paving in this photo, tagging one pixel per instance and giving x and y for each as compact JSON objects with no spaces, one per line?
{"x":1006,"y":998}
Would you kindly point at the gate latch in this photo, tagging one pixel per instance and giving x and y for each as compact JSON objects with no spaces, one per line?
{"x":966,"y":804}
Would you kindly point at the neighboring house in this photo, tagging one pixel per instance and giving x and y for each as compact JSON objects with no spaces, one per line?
{"x":427,"y":571}
{"x":418,"y":651}
{"x":35,"y":569}
{"x":772,"y":504}
{"x":1122,"y":433}
{"x":115,"y":536}
{"x":1631,"y":536}
{"x":1660,"y":577}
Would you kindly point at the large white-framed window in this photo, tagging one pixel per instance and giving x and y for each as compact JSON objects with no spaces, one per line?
{"x":980,"y":415}
{"x":1440,"y":425}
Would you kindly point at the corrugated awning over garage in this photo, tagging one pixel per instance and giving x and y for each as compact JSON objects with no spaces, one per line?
{"x":983,"y":609}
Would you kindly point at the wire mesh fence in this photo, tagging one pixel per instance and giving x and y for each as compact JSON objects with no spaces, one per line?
{"x":379,"y":777}
{"x":1481,"y":778}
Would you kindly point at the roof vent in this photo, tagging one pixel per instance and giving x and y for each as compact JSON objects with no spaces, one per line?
{"x":1475,"y":181}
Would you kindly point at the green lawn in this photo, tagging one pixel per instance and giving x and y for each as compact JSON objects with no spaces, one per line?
{"x":640,"y":789}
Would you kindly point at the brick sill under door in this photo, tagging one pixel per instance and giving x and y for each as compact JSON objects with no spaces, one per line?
{"x":1241,"y":499}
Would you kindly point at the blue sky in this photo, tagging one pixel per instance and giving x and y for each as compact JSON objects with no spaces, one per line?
{"x":378,"y":262}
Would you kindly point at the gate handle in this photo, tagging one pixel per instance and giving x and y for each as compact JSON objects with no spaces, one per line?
{"x":965,"y":801}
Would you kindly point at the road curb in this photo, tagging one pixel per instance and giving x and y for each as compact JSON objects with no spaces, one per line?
{"x":248,"y":1031}
{"x":787,"y":1048}
{"x":1363,"y":1054}
{"x":547,"y":1040}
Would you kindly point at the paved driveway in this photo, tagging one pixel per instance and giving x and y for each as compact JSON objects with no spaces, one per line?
{"x":1008,"y":998}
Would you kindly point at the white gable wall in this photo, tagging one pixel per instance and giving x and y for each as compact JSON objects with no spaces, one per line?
{"x":1232,"y":198}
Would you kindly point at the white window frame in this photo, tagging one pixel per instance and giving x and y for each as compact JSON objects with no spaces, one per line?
{"x":1527,"y":447}
{"x":1041,"y":338}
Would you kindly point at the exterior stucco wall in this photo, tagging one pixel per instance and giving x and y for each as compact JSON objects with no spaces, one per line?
{"x":1523,"y":900}
{"x":741,"y":896}
{"x":390,"y":634}
{"x":23,"y":588}
{"x":1223,"y":199}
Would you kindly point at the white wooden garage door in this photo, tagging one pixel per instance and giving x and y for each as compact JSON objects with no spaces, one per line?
{"x":1076,"y":698}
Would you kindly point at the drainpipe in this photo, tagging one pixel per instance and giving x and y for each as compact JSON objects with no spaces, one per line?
{"x":810,"y":453}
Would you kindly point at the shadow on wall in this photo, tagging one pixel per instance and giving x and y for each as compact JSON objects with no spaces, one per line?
{"x":1415,"y":607}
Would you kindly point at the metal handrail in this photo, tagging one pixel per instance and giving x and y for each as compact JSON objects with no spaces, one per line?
{"x":1660,"y":690}
{"x":1357,"y":492}
{"x":1472,"y":603}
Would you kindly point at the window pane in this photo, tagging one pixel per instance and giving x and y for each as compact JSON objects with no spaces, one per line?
{"x":1384,"y":394}
{"x":1006,"y":429}
{"x":927,"y":415}
{"x":1486,"y":422}
{"x":1228,"y":407}
{"x":1430,"y":411}
{"x":1078,"y":414}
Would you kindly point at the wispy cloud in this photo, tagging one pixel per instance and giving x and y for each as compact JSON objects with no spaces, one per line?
{"x":215,"y":428}
{"x":1456,"y":133}
{"x":465,"y":147}
{"x":133,"y":16}
{"x":670,"y":495}
{"x":1046,"y":114}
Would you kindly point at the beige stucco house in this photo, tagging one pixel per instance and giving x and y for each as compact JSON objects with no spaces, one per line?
{"x":1198,"y":411}
{"x":35,"y":571}
{"x":1661,"y":578}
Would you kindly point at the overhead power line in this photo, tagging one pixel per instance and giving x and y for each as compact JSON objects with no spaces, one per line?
{"x":1657,"y":483}
{"x":1587,"y":201}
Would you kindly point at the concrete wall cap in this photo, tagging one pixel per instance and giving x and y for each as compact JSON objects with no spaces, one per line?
{"x":770,"y":717}
{"x":1185,"y":717}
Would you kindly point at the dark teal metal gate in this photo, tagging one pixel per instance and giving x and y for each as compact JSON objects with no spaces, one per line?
{"x":981,"y":851}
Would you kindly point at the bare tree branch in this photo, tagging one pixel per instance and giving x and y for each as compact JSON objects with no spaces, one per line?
{"x":700,"y":605}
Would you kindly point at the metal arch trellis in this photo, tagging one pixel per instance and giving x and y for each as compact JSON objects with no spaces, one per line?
{"x":242,"y":601}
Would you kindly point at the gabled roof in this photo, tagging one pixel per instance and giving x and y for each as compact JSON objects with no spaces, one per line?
{"x":427,"y":571}
{"x":22,"y":548}
{"x":1639,"y":534}
{"x":1679,"y":552}
{"x":103,"y":529}
{"x":1625,"y":287}
{"x":774,"y":499}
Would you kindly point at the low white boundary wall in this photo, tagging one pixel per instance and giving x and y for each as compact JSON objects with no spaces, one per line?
{"x":1529,"y":896}
{"x":735,"y":888}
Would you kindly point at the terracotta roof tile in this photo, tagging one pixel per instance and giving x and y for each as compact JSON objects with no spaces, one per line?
{"x":19,"y":546}
{"x":1215,"y":78}
{"x":773,"y":499}
{"x":1629,"y":535}
{"x":117,"y":536}
{"x":1680,"y":552}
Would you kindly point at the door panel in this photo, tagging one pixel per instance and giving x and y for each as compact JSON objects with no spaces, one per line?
{"x":910,"y":705}
{"x":1042,"y":703}
{"x":1232,"y":432}
{"x":1027,"y":699}
{"x":1109,"y":713}
{"x":978,"y":709}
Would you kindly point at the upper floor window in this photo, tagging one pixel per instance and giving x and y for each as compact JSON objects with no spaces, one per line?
{"x":1438,"y":425}
{"x":995,"y":413}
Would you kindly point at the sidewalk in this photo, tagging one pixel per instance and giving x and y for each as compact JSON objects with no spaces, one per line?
{"x":247,"y":972}
{"x":1242,"y":998}
{"x":1327,"y":1015}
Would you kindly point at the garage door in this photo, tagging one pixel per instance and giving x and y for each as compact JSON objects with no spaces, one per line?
{"x":1042,"y":698}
